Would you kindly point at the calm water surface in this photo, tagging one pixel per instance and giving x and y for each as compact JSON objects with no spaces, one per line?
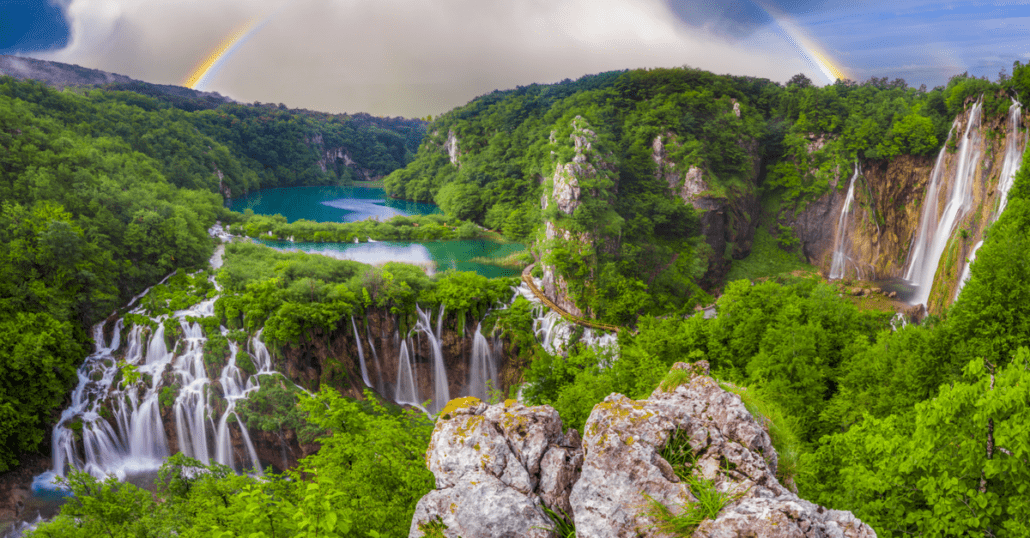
{"x":329,"y":204}
{"x":350,"y":204}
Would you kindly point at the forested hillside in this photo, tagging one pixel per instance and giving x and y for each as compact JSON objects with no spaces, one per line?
{"x":673,"y":143}
{"x":106,"y":192}
{"x":639,"y":193}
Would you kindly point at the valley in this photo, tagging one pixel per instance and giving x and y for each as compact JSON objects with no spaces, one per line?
{"x":207,"y":300}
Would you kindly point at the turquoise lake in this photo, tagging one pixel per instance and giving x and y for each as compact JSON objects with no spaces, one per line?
{"x":328,"y":204}
{"x":350,"y":204}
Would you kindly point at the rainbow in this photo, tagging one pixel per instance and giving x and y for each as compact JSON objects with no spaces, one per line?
{"x":212,"y":64}
{"x":806,"y":46}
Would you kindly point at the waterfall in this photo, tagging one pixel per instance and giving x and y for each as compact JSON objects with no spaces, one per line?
{"x":116,"y":428}
{"x":935,"y":230}
{"x":839,"y":265}
{"x":406,"y":393}
{"x":361,"y":353}
{"x":482,"y":367}
{"x":1013,"y":157}
{"x":965,"y":271}
{"x":1014,"y":147}
{"x":441,"y":392}
{"x":375,"y":360}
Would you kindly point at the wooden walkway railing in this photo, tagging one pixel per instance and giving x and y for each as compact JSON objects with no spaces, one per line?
{"x":528,"y":279}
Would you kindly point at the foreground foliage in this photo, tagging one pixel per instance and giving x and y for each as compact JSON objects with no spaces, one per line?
{"x":366,"y":479}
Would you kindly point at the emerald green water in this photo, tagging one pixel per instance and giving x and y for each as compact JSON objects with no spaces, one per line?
{"x":350,"y":204}
{"x":436,"y":256}
{"x":329,"y":204}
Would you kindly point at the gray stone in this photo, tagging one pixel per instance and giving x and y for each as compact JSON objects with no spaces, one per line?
{"x":495,"y":469}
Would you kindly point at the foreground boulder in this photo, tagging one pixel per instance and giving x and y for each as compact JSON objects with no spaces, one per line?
{"x":496,"y":467}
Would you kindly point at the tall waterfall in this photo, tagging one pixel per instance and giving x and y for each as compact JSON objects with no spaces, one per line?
{"x":361,"y":353}
{"x":424,"y":326}
{"x":1014,"y":147}
{"x":482,"y":366}
{"x":839,"y":265}
{"x":965,"y":271}
{"x":936,"y":227}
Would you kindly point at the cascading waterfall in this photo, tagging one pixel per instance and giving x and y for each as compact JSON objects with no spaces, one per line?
{"x":361,"y":353}
{"x":482,"y":366}
{"x":840,"y":259}
{"x":965,"y":270}
{"x":116,"y":429}
{"x":935,"y":230}
{"x":441,"y":392}
{"x":380,"y":386}
{"x":1014,"y":147}
{"x":406,"y":392}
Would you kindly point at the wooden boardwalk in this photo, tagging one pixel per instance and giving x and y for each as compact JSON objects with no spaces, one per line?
{"x":528,"y":279}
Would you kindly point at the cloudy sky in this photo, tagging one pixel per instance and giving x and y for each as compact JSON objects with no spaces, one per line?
{"x":410,"y":58}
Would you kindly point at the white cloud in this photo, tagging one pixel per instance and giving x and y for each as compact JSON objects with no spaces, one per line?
{"x":396,"y":57}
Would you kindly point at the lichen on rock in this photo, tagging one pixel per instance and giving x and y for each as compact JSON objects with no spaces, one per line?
{"x":497,"y":466}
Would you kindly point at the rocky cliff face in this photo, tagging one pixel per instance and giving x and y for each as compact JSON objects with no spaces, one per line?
{"x":337,"y":156}
{"x":881,"y":223}
{"x":497,"y":467}
{"x":889,"y":197}
{"x":728,"y":218}
{"x":564,"y":192}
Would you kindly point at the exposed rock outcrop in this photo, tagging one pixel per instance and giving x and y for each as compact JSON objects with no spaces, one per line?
{"x":492,"y":465}
{"x":564,"y":190}
{"x":495,"y":468}
{"x":728,"y":219}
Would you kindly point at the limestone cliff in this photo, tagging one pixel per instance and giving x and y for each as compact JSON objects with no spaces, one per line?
{"x":589,"y":174}
{"x":337,"y":157}
{"x":728,"y":215}
{"x":890,"y":195}
{"x":497,"y":467}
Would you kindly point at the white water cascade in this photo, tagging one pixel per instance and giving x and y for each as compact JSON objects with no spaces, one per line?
{"x":936,"y":227}
{"x":840,"y":259}
{"x":361,"y":353}
{"x":424,"y":327}
{"x":1014,"y":148}
{"x":1016,"y":141}
{"x":965,"y":270}
{"x":115,"y":428}
{"x":482,"y":366}
{"x":406,"y":392}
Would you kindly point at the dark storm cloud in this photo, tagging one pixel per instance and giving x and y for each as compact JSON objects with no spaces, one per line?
{"x":397,"y":57}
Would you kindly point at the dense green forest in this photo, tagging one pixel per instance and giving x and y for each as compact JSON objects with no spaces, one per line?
{"x":106,"y":192}
{"x":918,"y":429}
{"x":647,"y":254}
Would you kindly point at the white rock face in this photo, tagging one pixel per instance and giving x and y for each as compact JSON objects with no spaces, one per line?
{"x":621,"y":442}
{"x":452,"y":147}
{"x":495,"y":467}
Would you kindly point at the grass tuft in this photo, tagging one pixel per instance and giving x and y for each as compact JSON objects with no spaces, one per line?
{"x":710,"y":501}
{"x":781,"y":429}
{"x":674,"y":379}
{"x":564,"y":527}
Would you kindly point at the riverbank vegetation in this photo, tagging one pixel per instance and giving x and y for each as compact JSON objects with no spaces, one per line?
{"x":917,"y":429}
{"x":436,"y":227}
{"x":105,"y":192}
